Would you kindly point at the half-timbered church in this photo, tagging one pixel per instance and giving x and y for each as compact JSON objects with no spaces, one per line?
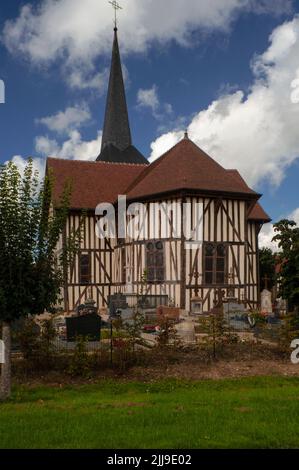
{"x":159,"y":262}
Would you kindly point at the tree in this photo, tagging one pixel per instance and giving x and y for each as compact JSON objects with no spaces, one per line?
{"x":31,"y":274}
{"x":267,"y":267}
{"x":287,"y":236}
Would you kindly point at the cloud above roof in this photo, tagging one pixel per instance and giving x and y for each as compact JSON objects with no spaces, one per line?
{"x":257,"y":133}
{"x":79,"y":31}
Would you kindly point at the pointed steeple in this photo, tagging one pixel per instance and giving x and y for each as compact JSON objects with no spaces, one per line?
{"x":116,"y":125}
{"x":116,"y":141}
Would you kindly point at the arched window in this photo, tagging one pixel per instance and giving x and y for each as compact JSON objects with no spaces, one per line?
{"x":155,"y":262}
{"x":215,"y":262}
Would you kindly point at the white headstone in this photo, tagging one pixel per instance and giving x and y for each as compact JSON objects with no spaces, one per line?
{"x":186,"y":330}
{"x":196,"y":306}
{"x":2,"y":351}
{"x":266,"y":301}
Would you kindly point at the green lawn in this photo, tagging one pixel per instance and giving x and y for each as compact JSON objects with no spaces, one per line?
{"x":244,"y":413}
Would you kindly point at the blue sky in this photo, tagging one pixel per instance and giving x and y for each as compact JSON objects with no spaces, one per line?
{"x":225,"y":72}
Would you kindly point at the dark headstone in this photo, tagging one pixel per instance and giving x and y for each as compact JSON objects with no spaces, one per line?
{"x":117,"y":302}
{"x":88,"y":326}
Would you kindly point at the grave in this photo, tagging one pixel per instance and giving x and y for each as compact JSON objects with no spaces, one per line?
{"x":266,"y":302}
{"x":186,"y":330}
{"x":196,"y":306}
{"x":117,"y":302}
{"x":87,"y":322}
{"x":236,"y":315}
{"x":88,"y":326}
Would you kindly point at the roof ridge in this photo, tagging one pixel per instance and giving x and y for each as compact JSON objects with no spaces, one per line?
{"x":150,"y":167}
{"x":160,"y":159}
{"x":149,"y":181}
{"x":96,"y":162}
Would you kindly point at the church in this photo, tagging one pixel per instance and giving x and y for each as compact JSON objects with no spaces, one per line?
{"x":159,"y":264}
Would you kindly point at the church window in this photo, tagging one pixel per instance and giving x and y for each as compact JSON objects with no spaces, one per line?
{"x":215,"y":263}
{"x":85,"y":268}
{"x":155,"y":262}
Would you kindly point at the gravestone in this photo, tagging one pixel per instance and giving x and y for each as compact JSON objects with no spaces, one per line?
{"x":88,"y":308}
{"x":266,"y":302}
{"x":236,"y":315}
{"x":117,"y":302}
{"x":88,"y":326}
{"x":196,"y":306}
{"x":186,"y":330}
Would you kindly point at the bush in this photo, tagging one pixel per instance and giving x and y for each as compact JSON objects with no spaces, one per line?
{"x":80,"y":363}
{"x":168,"y":334}
{"x":36,"y":344}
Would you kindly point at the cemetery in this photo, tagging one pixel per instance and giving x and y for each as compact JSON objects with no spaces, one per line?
{"x":135,"y":327}
{"x":138,"y":308}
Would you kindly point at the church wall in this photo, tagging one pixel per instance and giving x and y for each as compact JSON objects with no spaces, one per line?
{"x":224,"y":222}
{"x":101,"y":265}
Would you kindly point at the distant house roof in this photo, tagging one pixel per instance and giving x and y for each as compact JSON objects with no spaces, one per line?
{"x":186,"y":166}
{"x":93,"y":182}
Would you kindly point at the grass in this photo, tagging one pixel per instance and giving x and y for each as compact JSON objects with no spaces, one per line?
{"x":241,"y":413}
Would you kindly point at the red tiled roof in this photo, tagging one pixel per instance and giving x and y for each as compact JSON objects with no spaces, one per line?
{"x":93,"y":182}
{"x":186,"y":166}
{"x":257,"y":212}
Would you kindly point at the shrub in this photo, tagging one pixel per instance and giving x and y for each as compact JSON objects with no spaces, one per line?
{"x":80,"y":362}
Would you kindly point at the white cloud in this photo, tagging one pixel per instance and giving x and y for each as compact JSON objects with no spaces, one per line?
{"x":164,"y":143}
{"x":64,"y":121}
{"x":149,"y":99}
{"x":265,"y":238}
{"x":255,"y":133}
{"x":294,"y":216}
{"x":86,"y":77}
{"x":78,"y":31}
{"x":74,"y":148}
{"x":267,"y":233}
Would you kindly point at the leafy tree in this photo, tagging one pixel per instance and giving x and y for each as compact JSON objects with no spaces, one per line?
{"x":214,"y":328}
{"x":31,"y":275}
{"x":287,"y":236}
{"x":267,"y":267}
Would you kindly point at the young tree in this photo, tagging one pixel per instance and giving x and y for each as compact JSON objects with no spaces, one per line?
{"x":31,"y":276}
{"x":267,"y":267}
{"x":287,"y":236}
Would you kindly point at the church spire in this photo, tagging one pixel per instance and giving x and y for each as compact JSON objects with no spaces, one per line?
{"x":116,"y":141}
{"x":116,"y":125}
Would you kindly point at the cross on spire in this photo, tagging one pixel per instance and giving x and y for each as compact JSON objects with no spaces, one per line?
{"x":116,"y":7}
